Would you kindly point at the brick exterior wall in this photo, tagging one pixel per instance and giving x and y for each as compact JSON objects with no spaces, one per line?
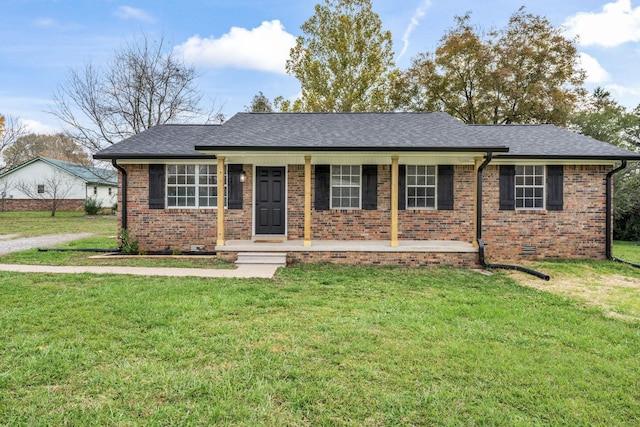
{"x":178,"y":229}
{"x":578,"y":231}
{"x":24,"y":205}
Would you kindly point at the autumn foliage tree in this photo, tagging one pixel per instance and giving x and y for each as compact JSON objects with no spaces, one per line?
{"x":344,"y":60}
{"x":58,"y":146}
{"x":11,"y":128}
{"x":527,"y":72}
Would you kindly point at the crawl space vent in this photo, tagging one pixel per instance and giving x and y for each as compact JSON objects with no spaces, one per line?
{"x":528,"y":250}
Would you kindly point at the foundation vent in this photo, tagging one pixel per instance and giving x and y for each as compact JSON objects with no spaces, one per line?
{"x":528,"y":250}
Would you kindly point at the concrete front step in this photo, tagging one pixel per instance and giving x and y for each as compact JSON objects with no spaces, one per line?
{"x":270,"y":258}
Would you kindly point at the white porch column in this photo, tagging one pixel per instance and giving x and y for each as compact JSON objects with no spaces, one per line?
{"x":220,"y":241}
{"x":307,"y":200}
{"x":394,"y":201}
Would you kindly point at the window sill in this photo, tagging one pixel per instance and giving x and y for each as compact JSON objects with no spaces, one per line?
{"x":531,"y":211}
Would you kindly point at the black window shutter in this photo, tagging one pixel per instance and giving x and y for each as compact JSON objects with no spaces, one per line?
{"x":369,"y":187}
{"x":156,"y":186}
{"x":554,"y":187}
{"x":445,"y":187}
{"x":507,"y":187}
{"x":322,"y":190}
{"x":402,"y":187}
{"x":234,"y":197}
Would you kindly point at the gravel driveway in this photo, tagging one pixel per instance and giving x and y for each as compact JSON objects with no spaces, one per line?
{"x":15,"y":245}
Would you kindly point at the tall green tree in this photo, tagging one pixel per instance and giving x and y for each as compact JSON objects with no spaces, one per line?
{"x":344,"y":60}
{"x":260,"y":104}
{"x":526,"y":72}
{"x":604,"y":119}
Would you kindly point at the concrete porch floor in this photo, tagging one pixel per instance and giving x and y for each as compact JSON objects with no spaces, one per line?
{"x":272,"y":245}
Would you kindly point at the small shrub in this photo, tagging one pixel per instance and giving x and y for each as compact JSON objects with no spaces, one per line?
{"x":129,"y":246}
{"x":92,"y":206}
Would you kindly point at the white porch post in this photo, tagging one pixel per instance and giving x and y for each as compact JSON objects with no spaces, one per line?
{"x":220,"y":241}
{"x":307,"y":200}
{"x":394,"y":201}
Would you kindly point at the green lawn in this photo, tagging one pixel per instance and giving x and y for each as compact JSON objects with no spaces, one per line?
{"x":29,"y":224}
{"x":627,"y":251}
{"x":105,"y":228}
{"x":319,"y":345}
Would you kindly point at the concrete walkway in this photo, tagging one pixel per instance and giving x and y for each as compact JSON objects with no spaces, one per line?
{"x":8,"y":244}
{"x":243,"y":271}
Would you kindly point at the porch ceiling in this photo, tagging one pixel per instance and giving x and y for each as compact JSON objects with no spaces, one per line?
{"x":283,"y":158}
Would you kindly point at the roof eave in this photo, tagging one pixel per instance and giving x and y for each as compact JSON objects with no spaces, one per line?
{"x":632,"y":157}
{"x":494,"y":149}
{"x":152,"y":156}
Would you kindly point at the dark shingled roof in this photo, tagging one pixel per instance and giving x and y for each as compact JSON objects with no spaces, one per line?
{"x":361,"y":131}
{"x":170,"y":141}
{"x":547,"y":141}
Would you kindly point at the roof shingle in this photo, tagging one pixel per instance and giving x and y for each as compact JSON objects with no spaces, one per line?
{"x":360,"y":131}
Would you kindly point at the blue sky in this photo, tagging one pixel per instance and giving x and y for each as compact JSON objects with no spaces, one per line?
{"x":239,"y":46}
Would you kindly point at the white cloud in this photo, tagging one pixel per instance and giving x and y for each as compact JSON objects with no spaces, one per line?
{"x":616,"y":24}
{"x":264,"y":48}
{"x":34,"y":126}
{"x":418,"y":14}
{"x":128,"y":12}
{"x":595,"y":72}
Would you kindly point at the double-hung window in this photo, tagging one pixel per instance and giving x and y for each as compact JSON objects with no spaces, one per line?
{"x":421,"y":187}
{"x":345,"y":187}
{"x":192,"y":186}
{"x":529,"y":187}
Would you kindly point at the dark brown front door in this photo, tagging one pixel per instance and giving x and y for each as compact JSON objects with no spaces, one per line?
{"x":270,"y":200}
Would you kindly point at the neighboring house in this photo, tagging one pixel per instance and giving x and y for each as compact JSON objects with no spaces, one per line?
{"x":34,"y":184}
{"x":396,"y":188}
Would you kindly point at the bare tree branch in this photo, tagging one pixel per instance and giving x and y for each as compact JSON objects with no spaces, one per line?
{"x":141,"y":87}
{"x":53,"y":188}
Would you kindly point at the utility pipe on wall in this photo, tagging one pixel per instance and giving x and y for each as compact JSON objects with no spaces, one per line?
{"x":609,"y":214}
{"x":124,"y":192}
{"x":482,"y":260}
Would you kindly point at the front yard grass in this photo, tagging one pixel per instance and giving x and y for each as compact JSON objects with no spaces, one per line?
{"x":627,"y":251}
{"x":319,"y":345}
{"x":30,"y":224}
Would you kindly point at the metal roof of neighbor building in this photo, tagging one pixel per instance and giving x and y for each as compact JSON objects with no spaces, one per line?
{"x":89,"y":174}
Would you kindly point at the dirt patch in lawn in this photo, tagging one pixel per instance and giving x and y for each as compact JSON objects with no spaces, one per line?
{"x":614,"y":293}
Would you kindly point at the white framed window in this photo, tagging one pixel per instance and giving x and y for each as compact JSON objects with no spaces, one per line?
{"x":530,"y":187}
{"x":193,"y":186}
{"x":95,"y":191}
{"x":345,"y":186}
{"x":421,"y":187}
{"x":40,"y":188}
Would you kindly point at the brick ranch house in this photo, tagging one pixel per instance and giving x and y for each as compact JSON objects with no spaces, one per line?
{"x":390,"y":188}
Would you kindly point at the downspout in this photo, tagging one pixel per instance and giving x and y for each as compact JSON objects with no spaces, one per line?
{"x":124,"y":192}
{"x":482,"y":260}
{"x":609,"y":216}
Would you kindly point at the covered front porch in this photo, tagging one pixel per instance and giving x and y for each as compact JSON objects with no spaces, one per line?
{"x":406,"y":252}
